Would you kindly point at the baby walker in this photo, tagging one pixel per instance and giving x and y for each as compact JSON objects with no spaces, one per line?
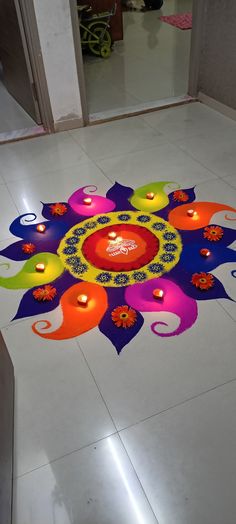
{"x":94,"y":30}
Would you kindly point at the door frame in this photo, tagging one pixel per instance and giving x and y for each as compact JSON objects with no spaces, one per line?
{"x":197,"y":44}
{"x":79,"y":60}
{"x":31,"y":43}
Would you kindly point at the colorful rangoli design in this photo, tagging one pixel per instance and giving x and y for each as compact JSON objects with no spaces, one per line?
{"x":106,"y":260}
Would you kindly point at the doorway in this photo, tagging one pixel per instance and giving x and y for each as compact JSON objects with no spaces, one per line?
{"x":20,"y":107}
{"x":149,"y":63}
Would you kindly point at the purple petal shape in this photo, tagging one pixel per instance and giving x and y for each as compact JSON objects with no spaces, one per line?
{"x":29,"y":306}
{"x":140,"y":296}
{"x":119,"y":336}
{"x":120,"y":195}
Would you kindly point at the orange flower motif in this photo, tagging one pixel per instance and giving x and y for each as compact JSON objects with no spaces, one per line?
{"x":203,"y":280}
{"x":58,"y":209}
{"x":124,"y":316}
{"x":28,"y":248}
{"x":181,"y":196}
{"x":45,"y":293}
{"x":213,"y":233}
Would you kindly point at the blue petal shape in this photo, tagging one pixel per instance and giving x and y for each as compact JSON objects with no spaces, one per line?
{"x":183,"y":279}
{"x":70,"y":217}
{"x":29,"y":306}
{"x":163,"y":213}
{"x":193,"y":262}
{"x":191,"y":197}
{"x":29,"y":232}
{"x":197,"y":235}
{"x":15,"y":252}
{"x":120,"y":195}
{"x":119,"y":336}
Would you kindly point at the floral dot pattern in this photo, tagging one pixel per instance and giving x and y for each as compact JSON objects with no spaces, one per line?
{"x":170,"y":248}
{"x":103,"y":220}
{"x":139,"y":276}
{"x":158,"y":226}
{"x":104,"y":277}
{"x":121,"y":279}
{"x":79,"y":231}
{"x":168,"y":257}
{"x":124,"y":217}
{"x":72,"y":240}
{"x":70,"y":250}
{"x":91,"y":225}
{"x":143,"y":218}
{"x":156,"y":268}
{"x":169,"y":236}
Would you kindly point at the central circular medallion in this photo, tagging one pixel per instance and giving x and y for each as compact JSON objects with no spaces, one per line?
{"x":133,"y":247}
{"x":142,"y":246}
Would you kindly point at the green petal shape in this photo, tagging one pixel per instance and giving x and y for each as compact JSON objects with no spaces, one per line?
{"x":28,"y":276}
{"x":160,"y":200}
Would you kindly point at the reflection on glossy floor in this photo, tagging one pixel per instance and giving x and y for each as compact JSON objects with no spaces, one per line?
{"x":150,"y":64}
{"x":12,"y":115}
{"x":148,"y":436}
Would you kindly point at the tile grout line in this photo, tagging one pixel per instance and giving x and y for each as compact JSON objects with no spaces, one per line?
{"x":225,"y":310}
{"x":48,"y":173}
{"x":65,"y":455}
{"x":11,"y":197}
{"x":95,"y":382}
{"x":195,"y":158}
{"x":125,"y":428}
{"x":174,"y":406}
{"x":138,"y":479}
{"x":117,"y":433}
{"x":228,"y":184}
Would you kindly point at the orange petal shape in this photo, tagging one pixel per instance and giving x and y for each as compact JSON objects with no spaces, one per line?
{"x":77,"y":319}
{"x":205,"y":210}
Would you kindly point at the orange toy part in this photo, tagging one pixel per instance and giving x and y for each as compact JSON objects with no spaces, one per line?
{"x":205,"y":210}
{"x":77,"y":319}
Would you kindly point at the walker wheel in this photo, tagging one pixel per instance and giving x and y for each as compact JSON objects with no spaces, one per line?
{"x":105,"y":51}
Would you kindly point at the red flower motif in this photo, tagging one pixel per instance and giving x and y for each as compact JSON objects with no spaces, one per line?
{"x":28,"y":248}
{"x":203,"y":280}
{"x":123,"y":316}
{"x":45,"y":293}
{"x":181,"y":196}
{"x":213,"y":233}
{"x":58,"y":209}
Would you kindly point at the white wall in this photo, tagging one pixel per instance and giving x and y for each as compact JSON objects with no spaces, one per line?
{"x":56,"y":39}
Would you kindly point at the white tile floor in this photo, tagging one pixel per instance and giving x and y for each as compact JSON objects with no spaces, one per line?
{"x":150,"y":64}
{"x":148,"y":436}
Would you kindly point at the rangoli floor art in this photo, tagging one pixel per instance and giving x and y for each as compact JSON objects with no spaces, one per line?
{"x":106,"y":260}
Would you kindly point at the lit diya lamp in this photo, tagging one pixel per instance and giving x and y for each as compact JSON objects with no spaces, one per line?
{"x":112,"y":235}
{"x":204,"y":252}
{"x":158,"y":294}
{"x":82,"y":300}
{"x":150,"y":196}
{"x":40,"y":267}
{"x":191,"y":213}
{"x":87,"y":201}
{"x":41,"y":228}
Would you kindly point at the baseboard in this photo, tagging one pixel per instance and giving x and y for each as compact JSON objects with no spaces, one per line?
{"x":21,"y":134}
{"x":140,"y":109}
{"x":218,"y":106}
{"x":67,"y":125}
